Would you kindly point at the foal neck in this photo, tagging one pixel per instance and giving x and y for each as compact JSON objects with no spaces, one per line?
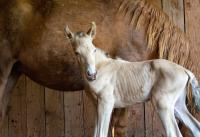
{"x":100,"y":57}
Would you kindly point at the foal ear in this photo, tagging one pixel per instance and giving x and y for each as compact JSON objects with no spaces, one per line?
{"x":69,"y":34}
{"x":92,"y":31}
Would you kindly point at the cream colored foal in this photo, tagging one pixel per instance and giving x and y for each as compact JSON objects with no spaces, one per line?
{"x":119,"y":83}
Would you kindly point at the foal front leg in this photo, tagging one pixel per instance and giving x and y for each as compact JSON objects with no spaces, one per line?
{"x":105,"y":107}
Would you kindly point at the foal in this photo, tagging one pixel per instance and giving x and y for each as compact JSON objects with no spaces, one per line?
{"x":119,"y":83}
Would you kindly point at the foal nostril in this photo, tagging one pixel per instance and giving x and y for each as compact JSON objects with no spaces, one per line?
{"x":88,"y":73}
{"x":91,"y":74}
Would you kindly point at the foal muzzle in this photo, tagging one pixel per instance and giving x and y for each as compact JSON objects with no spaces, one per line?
{"x":91,"y":77}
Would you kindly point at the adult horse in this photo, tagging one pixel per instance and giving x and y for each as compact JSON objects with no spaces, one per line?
{"x":32,"y":40}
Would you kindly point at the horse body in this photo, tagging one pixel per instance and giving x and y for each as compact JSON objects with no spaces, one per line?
{"x":34,"y":27}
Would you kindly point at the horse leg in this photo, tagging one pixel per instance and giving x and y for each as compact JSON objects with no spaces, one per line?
{"x":182,"y":113}
{"x":165,"y":109}
{"x":119,"y":122}
{"x":6,"y":82}
{"x":105,"y":107}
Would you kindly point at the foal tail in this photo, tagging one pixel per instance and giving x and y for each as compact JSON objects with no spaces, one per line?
{"x":195,"y":90}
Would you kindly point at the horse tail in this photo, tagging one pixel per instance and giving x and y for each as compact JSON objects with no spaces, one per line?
{"x":195,"y":97}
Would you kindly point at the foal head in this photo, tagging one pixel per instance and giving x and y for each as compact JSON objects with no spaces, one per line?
{"x":84,"y":49}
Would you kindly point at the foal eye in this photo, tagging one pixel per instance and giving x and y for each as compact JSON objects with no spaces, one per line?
{"x":95,"y":50}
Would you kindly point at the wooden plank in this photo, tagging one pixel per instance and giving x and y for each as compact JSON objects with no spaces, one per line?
{"x":136,"y":121}
{"x":4,"y":128}
{"x":17,"y":110}
{"x":175,"y":10}
{"x":54,"y":111}
{"x":192,"y":25}
{"x":35,"y":109}
{"x":153,"y":125}
{"x":89,"y":114}
{"x":73,"y":107}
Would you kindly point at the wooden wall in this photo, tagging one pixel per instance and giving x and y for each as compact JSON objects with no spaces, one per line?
{"x":36,"y":111}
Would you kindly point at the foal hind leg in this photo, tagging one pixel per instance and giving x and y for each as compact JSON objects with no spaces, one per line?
{"x":165,"y":110}
{"x":182,"y":113}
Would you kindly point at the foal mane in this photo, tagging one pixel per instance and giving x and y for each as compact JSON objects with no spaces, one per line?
{"x":103,"y":52}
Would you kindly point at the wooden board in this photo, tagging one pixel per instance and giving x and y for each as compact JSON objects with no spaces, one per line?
{"x":35,"y":109}
{"x":17,"y":112}
{"x":54,"y":113}
{"x":89,"y":111}
{"x":73,"y":107}
{"x":4,"y":130}
{"x":136,"y":124}
{"x":175,"y":11}
{"x":192,"y":25}
{"x":153,"y":125}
